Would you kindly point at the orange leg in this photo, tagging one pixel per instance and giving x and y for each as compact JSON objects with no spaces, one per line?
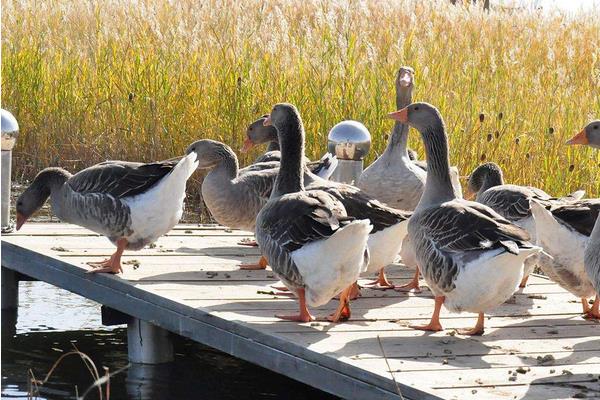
{"x":412,"y":285}
{"x":343,"y":311}
{"x":113,"y":264}
{"x":355,"y":291}
{"x":477,"y":330}
{"x":524,"y":281}
{"x":586,"y":305}
{"x":248,"y":242}
{"x":381,"y":283}
{"x":261,"y":264}
{"x":594,"y":312}
{"x":304,"y":315}
{"x":433,"y":325}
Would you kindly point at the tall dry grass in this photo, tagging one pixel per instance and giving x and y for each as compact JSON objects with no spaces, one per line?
{"x":139,"y":80}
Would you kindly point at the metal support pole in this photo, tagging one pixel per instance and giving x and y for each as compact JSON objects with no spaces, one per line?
{"x":5,"y":186}
{"x":10,"y":289}
{"x":10,"y":132}
{"x":148,"y":344}
{"x":347,"y":171}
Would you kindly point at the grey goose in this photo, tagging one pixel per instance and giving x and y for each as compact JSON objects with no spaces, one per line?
{"x":471,"y":257}
{"x":512,"y":202}
{"x":130,"y":203}
{"x":312,"y":245}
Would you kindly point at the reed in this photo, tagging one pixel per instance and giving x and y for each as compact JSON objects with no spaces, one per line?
{"x":116,"y":79}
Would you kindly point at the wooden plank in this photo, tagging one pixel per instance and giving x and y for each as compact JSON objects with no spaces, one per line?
{"x":326,"y":373}
{"x":198,"y":291}
{"x":538,"y":390}
{"x":473,"y":363}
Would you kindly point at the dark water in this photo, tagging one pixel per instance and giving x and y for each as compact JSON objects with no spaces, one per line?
{"x":51,"y":321}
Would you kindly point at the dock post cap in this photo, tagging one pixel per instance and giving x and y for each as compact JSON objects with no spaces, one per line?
{"x":10,"y":130}
{"x":349,"y":140}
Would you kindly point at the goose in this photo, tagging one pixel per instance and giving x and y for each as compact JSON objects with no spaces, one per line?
{"x":257,"y":133}
{"x":471,"y":258}
{"x":312,"y":245}
{"x":394,"y":178}
{"x":512,"y":202}
{"x":224,"y":188}
{"x":564,"y":230}
{"x":389,"y":225}
{"x":590,"y":135}
{"x":131,"y":203}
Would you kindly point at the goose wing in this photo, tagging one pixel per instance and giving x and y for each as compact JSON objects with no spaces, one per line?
{"x":360,"y":205}
{"x":292,"y":221}
{"x":120,"y":178}
{"x":579,"y":215}
{"x":462,"y":226}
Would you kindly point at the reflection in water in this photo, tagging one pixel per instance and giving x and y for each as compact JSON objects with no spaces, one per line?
{"x":198,"y":371}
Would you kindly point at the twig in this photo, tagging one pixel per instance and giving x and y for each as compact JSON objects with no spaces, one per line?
{"x":389,"y":368}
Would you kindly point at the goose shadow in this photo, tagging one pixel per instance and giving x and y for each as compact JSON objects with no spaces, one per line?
{"x":565,"y":386}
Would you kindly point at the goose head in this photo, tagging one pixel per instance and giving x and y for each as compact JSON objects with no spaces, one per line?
{"x":405,"y":78}
{"x":210,"y":153}
{"x":257,"y":133}
{"x":34,"y":197}
{"x":282,"y":114}
{"x":484,"y":177}
{"x":589,"y":135}
{"x":421,"y":116}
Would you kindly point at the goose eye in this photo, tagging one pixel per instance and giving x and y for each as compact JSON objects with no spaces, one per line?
{"x":596,"y":127}
{"x":416,"y":108}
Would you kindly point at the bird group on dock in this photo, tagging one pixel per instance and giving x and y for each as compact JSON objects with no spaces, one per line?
{"x":319,"y":236}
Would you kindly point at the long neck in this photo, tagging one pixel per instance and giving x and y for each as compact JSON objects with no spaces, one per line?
{"x":228,"y":164}
{"x":438,"y":186}
{"x":273,"y":145}
{"x":399,"y":137}
{"x":52,"y":180}
{"x":291,"y":139}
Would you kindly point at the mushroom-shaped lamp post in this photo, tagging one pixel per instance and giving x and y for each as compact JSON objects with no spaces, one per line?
{"x":350,"y":142}
{"x":10,"y":131}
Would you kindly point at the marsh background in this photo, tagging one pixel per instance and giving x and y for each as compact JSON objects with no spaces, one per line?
{"x":140,"y":80}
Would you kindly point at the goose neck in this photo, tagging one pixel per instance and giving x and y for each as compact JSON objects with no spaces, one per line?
{"x":290,"y":177}
{"x":438,"y":186}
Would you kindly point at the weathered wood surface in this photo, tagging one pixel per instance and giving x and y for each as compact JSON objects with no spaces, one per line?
{"x":190,"y":283}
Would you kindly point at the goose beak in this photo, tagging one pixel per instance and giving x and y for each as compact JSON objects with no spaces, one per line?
{"x":248,"y":144}
{"x":20,"y":220}
{"x":580,"y":138}
{"x":267,"y":121}
{"x":400,"y":115}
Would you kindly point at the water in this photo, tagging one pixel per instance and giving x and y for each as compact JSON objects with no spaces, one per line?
{"x":51,"y":321}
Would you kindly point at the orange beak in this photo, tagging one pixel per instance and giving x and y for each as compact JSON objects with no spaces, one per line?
{"x":580,"y":138}
{"x":400,"y":115}
{"x":248,"y":144}
{"x":20,"y":220}
{"x":267,"y":122}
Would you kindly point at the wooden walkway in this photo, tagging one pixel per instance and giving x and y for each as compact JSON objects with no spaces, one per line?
{"x":536,"y":346}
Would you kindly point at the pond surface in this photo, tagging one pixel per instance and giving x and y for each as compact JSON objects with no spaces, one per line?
{"x":52,"y":321}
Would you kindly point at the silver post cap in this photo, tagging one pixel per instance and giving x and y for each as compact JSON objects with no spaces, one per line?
{"x":10,"y":130}
{"x":349,"y":140}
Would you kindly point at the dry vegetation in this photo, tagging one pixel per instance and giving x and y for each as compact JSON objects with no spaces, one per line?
{"x":115,"y":79}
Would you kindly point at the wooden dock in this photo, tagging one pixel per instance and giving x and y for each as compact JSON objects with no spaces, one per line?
{"x":537,"y":346}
